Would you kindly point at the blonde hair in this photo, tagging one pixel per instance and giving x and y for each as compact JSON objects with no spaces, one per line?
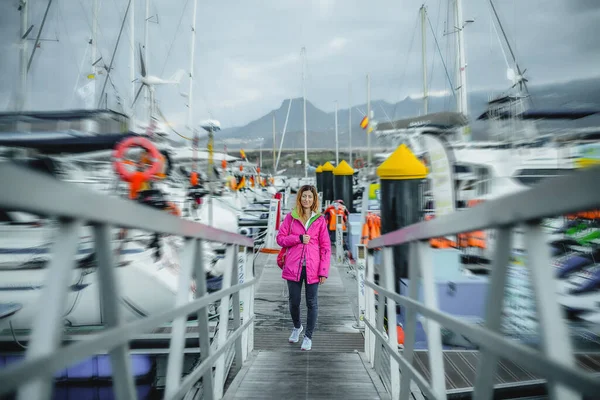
{"x":315,"y":204}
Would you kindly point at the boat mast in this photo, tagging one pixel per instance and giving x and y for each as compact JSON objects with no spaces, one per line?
{"x":132,"y":55}
{"x":94,"y":52}
{"x":303,"y":51}
{"x":337,"y":146}
{"x":287,"y":116}
{"x":22,"y":92}
{"x":462,"y":63}
{"x":190,"y":121}
{"x":274,"y":143}
{"x":148,"y":96}
{"x":350,"y":121}
{"x":368,"y":121}
{"x":521,"y":79}
{"x":424,"y":55}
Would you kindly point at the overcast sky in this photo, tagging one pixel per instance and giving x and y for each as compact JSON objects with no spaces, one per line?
{"x":248,"y":61}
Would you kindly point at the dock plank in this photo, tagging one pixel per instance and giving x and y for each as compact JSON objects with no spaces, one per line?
{"x":333,"y":369}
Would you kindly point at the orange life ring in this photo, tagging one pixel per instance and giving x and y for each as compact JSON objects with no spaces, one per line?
{"x":136,"y":141}
{"x":359,"y":163}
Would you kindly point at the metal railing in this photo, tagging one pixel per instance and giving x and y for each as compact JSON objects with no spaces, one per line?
{"x":555,"y":362}
{"x":72,"y":206}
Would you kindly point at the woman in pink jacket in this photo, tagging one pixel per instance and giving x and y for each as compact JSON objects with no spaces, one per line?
{"x":304,"y":234}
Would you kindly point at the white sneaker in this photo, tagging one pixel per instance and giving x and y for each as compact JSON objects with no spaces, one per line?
{"x":295,"y":336}
{"x":306,"y":344}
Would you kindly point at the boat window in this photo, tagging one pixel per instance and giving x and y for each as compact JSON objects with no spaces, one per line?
{"x":5,"y":217}
{"x":483,"y":181}
{"x":531,"y":176}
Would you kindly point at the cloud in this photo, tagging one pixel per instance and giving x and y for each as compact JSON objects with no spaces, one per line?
{"x":583,"y":5}
{"x":325,"y":8}
{"x":247,"y":55}
{"x":338,"y":43}
{"x":435,"y":93}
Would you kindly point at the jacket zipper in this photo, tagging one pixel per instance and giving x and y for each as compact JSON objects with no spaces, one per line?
{"x":302,"y":258}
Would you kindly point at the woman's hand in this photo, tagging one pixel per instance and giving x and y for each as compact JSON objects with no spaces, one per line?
{"x":305,"y":239}
{"x":322,"y":280}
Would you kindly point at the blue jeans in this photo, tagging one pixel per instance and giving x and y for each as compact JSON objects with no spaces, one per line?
{"x":312,"y":305}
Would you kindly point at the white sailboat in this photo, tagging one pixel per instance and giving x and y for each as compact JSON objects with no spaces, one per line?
{"x":518,"y":158}
{"x":149,"y":281}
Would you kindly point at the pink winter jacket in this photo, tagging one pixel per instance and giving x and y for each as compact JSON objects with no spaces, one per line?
{"x":317,"y":252}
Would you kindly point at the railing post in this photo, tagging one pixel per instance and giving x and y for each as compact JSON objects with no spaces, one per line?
{"x":177,"y":345}
{"x":271,"y":224}
{"x":230,"y":264}
{"x":484,"y":380}
{"x":410,"y":318}
{"x":235,"y":305}
{"x":48,"y":325}
{"x":339,"y":240}
{"x":244,"y":304}
{"x":361,"y":260}
{"x":389,"y":284}
{"x":555,"y":334}
{"x":380,"y":319}
{"x":434,"y":336}
{"x":249,"y":305}
{"x":110,"y":295}
{"x":320,"y":195}
{"x":202,"y":318}
{"x":288,"y":192}
{"x":370,"y":310}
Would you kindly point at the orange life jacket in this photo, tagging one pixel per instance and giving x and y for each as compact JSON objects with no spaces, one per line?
{"x":136,"y":184}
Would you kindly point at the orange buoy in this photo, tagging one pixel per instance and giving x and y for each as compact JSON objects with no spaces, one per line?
{"x":400,"y":334}
{"x":194,"y":178}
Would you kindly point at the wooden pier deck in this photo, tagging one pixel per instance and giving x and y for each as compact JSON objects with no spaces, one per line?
{"x":335,"y":368}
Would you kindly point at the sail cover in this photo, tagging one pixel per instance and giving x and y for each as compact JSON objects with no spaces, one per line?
{"x":441,"y":120}
{"x":441,"y":173}
{"x":62,"y":143}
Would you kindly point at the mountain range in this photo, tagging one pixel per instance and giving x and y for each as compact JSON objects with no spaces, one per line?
{"x":576,"y":94}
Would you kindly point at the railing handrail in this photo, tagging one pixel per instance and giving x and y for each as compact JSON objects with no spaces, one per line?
{"x":578,"y":191}
{"x":555,"y":362}
{"x":492,"y":341}
{"x":73,"y":206}
{"x":29,"y":191}
{"x":15,"y":375}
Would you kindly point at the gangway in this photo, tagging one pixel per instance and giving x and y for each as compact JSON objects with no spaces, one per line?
{"x":348,"y":364}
